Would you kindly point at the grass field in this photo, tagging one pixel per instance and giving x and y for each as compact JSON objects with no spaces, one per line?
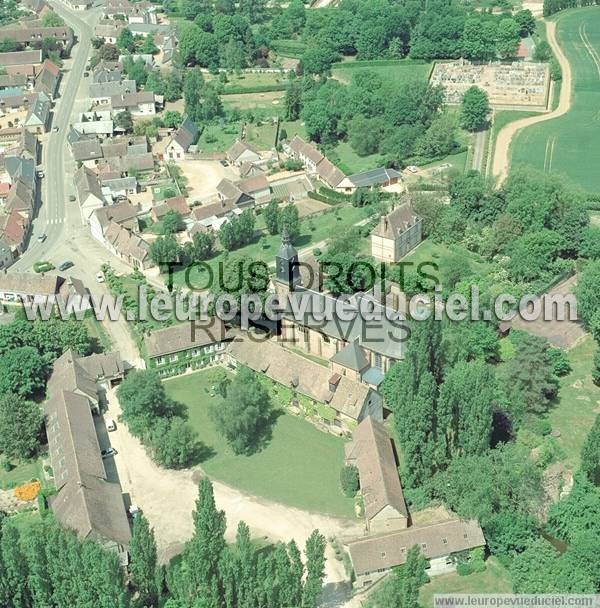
{"x":393,"y":71}
{"x":567,"y":146}
{"x":346,"y":159}
{"x":299,"y":467}
{"x":578,"y":405}
{"x":495,"y":579}
{"x":22,"y":473}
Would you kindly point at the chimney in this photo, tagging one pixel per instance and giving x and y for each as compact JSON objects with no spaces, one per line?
{"x":333,"y":382}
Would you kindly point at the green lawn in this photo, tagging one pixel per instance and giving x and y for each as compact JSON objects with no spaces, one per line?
{"x":265,"y":249}
{"x":579,"y":401}
{"x":495,"y":579}
{"x":393,"y":71}
{"x":22,"y":473}
{"x":98,"y":333}
{"x":568,"y":145}
{"x":216,"y":138}
{"x":346,"y":159}
{"x":299,"y":467}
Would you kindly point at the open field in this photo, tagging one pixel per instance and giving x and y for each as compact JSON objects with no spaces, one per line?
{"x":346,"y":159}
{"x":578,"y":404}
{"x":299,"y":467}
{"x":495,"y":579}
{"x":255,"y":101}
{"x":21,"y":473}
{"x":394,"y":71}
{"x":568,"y":145}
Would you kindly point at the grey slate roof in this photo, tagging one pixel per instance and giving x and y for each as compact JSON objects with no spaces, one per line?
{"x":187,"y":134}
{"x":99,"y":90}
{"x":31,"y":283}
{"x":86,"y":148}
{"x":21,"y":58}
{"x":352,"y":356}
{"x":374,"y":177}
{"x":87,"y":183}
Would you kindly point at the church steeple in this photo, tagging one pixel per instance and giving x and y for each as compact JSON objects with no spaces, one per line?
{"x":286,"y":261}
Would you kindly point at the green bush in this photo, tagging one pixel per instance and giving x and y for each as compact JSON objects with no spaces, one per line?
{"x":559,"y":361}
{"x":464,"y":569}
{"x":349,"y":480}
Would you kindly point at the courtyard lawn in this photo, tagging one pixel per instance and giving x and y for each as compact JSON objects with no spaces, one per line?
{"x":313,"y":231}
{"x":495,"y":579}
{"x":567,"y":146}
{"x":216,"y":138}
{"x":21,"y":473}
{"x":299,"y":467}
{"x":578,"y":404}
{"x":236,"y":83}
{"x":396,"y":71}
{"x":350,"y":162}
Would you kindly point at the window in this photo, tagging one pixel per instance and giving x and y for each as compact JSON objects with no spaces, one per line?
{"x":423,"y":545}
{"x":173,"y":358}
{"x":382,"y":554}
{"x":377,"y":361}
{"x":445,"y":541}
{"x":160,"y":361}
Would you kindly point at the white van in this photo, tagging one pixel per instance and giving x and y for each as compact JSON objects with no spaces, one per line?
{"x":111,"y":425}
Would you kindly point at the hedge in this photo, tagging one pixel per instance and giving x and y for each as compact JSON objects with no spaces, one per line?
{"x":328,"y":201}
{"x":259,"y":88}
{"x":377,"y":62}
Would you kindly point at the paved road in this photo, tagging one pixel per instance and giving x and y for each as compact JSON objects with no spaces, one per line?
{"x":56,"y":218}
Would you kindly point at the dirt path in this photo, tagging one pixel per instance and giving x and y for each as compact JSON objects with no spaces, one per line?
{"x":501,"y":154}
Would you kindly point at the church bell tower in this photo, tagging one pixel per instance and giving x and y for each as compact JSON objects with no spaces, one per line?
{"x":287,"y":274}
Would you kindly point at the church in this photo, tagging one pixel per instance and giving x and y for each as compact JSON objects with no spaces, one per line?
{"x":356,"y":345}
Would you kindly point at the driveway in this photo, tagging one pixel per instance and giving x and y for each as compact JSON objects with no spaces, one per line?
{"x":204,"y":175}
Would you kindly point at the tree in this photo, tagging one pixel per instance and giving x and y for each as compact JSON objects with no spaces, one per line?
{"x":203,"y":552}
{"x":596,"y":368}
{"x":349,"y":480}
{"x":20,"y":425}
{"x":533,"y":254}
{"x":474,"y":110}
{"x":175,"y":443}
{"x":318,"y":60}
{"x":143,"y":399}
{"x":293,"y":100}
{"x":438,"y":140}
{"x":587,"y":292}
{"x":164,"y":251}
{"x":124,"y":120}
{"x":510,"y":532}
{"x":590,"y":453}
{"x":172,"y":222}
{"x":239,"y":231}
{"x":13,"y":579}
{"x":403,"y":585}
{"x":315,"y":570}
{"x":126,"y":41}
{"x":142,"y":563}
{"x":526,"y":22}
{"x":203,"y":246}
{"x":508,"y":37}
{"x":22,"y":372}
{"x":51,"y":19}
{"x":289,"y":220}
{"x":172,"y":119}
{"x":245,"y":416}
{"x":528,"y":377}
{"x":271,"y":216}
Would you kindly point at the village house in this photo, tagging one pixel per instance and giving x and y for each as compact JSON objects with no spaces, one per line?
{"x":89,"y":192}
{"x":127,"y":245}
{"x":174,"y":203}
{"x":257,"y":188}
{"x":38,"y":116}
{"x":396,"y":234}
{"x":14,"y":230}
{"x":31,"y":36}
{"x":101,"y":93}
{"x":227,"y":191}
{"x":375,"y":178}
{"x":242,"y":152}
{"x":109,"y":30}
{"x":114,"y":188}
{"x":107,"y":71}
{"x":372,"y":453}
{"x":98,"y":123}
{"x":314,"y":162}
{"x":139,"y":104}
{"x":6,"y":254}
{"x":373,"y":557}
{"x":10,"y":82}
{"x":86,"y":502}
{"x":47,"y":79}
{"x":179,"y":143}
{"x":124,"y":214}
{"x":29,"y":287}
{"x":187,"y":345}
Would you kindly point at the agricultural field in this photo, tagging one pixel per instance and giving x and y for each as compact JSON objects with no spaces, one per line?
{"x":568,"y":145}
{"x":394,"y":71}
{"x":299,"y":467}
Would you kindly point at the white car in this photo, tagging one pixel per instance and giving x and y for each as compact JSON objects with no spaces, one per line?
{"x":412,"y":168}
{"x":111,"y":425}
{"x":100,"y":277}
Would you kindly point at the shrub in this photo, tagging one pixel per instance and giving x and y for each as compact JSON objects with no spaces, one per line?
{"x":349,"y":480}
{"x":596,"y":368}
{"x":559,"y":361}
{"x":464,"y":569}
{"x":541,"y":426}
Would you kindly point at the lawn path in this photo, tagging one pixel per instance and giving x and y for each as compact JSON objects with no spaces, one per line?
{"x":501,"y":162}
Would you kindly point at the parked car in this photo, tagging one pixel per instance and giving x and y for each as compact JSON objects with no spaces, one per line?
{"x":40,"y":174}
{"x":100,"y":277}
{"x":66,"y":265}
{"x":43,"y":266}
{"x":54,"y":129}
{"x":108,"y":452}
{"x":86,"y":74}
{"x":412,"y":168}
{"x":42,"y":238}
{"x":72,"y":198}
{"x":224,"y":163}
{"x":111,"y":425}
